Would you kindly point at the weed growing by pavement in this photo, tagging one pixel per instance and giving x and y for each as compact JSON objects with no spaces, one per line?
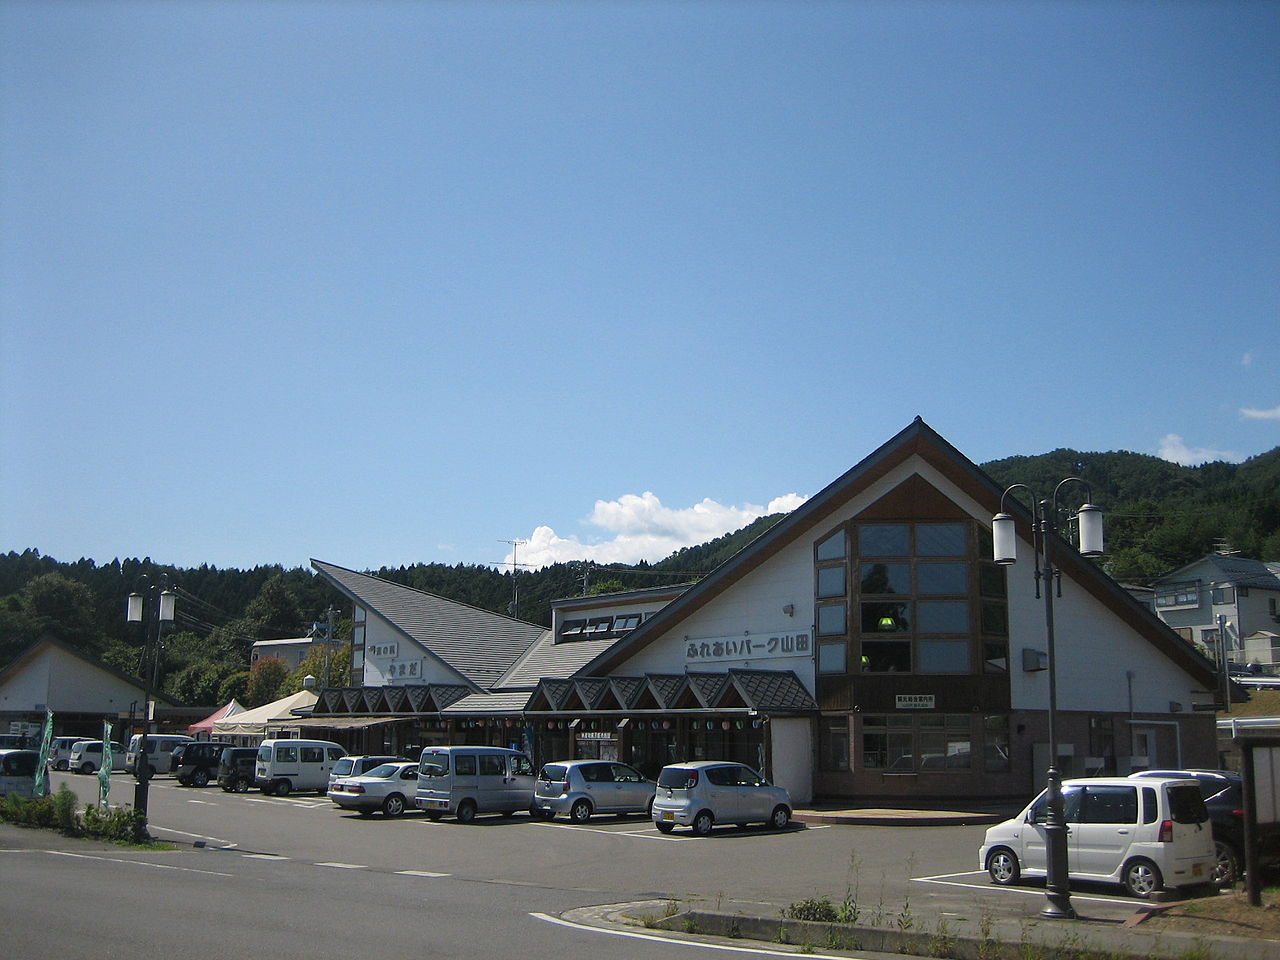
{"x":943,"y":941}
{"x":1197,"y":951}
{"x":811,"y":908}
{"x":735,"y":931}
{"x":988,"y":949}
{"x":653,"y":919}
{"x":847,"y":912}
{"x":842,"y":940}
{"x":690,"y":924}
{"x":905,"y":919}
{"x":805,"y":948}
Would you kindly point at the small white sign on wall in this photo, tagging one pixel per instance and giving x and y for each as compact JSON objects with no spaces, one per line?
{"x":914,"y":701}
{"x":391,"y":650}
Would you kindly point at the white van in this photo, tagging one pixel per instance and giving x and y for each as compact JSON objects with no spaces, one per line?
{"x":60,"y":751}
{"x":464,"y":781}
{"x":1146,"y":834}
{"x":159,"y":752}
{"x":287,"y":765}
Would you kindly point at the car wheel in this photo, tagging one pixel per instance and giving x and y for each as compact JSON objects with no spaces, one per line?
{"x":1226,"y":869}
{"x":199,"y":779}
{"x":648,"y":809}
{"x":538,"y":813}
{"x":242,"y":785}
{"x":283,"y":787}
{"x":663,"y":826}
{"x":1142,"y":878}
{"x":60,"y":765}
{"x":393,"y":806}
{"x":86,"y":767}
{"x":580,"y":812}
{"x":779,"y":819}
{"x":1002,"y":866}
{"x":703,"y":823}
{"x":466,"y":811}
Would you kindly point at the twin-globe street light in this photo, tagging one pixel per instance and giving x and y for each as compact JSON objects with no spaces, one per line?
{"x":1044,"y":517}
{"x":162,"y":606}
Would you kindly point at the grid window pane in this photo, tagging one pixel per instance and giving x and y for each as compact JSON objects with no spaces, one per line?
{"x":991,"y":580}
{"x":995,"y":618}
{"x":886,"y":656}
{"x":886,"y":617}
{"x":833,"y":657}
{"x":941,"y":540}
{"x":943,"y":656}
{"x":942,"y":616}
{"x":831,"y":581}
{"x":832,"y":548}
{"x":885,"y":578}
{"x":884,"y":540}
{"x":935,"y":578}
{"x":831,"y":619}
{"x":995,"y":656}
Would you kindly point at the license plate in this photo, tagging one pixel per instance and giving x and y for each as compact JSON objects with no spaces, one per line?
{"x":668,"y":816}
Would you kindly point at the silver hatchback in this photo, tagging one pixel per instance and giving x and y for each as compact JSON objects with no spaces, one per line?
{"x":579,"y":788}
{"x":706,"y":792}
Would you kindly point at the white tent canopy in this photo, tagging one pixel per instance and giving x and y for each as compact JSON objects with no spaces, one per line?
{"x":268,"y":718}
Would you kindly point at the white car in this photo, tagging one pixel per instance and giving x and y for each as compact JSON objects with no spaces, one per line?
{"x":1146,"y":834}
{"x":86,"y":756}
{"x":389,"y":788}
{"x":702,"y":793}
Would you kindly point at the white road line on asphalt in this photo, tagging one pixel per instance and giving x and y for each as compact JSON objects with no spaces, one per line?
{"x":343,"y":866}
{"x":640,"y":833}
{"x":946,"y":881}
{"x":136,"y":863}
{"x":198,"y":836}
{"x":262,"y":856}
{"x":420,"y":873}
{"x":758,"y":951}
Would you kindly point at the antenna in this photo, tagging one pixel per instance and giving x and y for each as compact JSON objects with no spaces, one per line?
{"x":515,"y":589}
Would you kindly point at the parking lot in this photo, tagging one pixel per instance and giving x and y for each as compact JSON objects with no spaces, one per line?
{"x":927,"y":872}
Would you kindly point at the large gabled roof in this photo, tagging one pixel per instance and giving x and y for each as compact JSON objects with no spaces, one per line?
{"x":917,"y":439}
{"x":478,"y":645}
{"x":48,"y":641}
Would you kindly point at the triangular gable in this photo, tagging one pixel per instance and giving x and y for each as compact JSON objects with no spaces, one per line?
{"x":918,"y":439}
{"x":626,"y":690}
{"x":772,"y":691}
{"x":591,"y":690}
{"x":708,"y":687}
{"x":667,"y":688}
{"x":396,"y":698}
{"x":353,"y":699}
{"x":553,"y":692}
{"x":330,"y":702}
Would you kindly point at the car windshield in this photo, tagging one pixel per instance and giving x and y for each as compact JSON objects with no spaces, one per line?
{"x":677,"y":778}
{"x":385,"y":771}
{"x":342,"y":767}
{"x":553,"y":771}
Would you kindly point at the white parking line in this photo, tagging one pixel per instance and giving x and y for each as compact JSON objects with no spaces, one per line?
{"x":262,"y":856}
{"x":343,"y":866}
{"x":758,"y":951}
{"x":947,"y":880}
{"x":421,"y":873}
{"x":198,"y":836}
{"x":137,"y":863}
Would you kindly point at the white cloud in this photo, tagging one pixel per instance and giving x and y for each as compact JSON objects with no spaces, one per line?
{"x":1250,"y":413}
{"x":643,"y":529}
{"x":1173,"y":448}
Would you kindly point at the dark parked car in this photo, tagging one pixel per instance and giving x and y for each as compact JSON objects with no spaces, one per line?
{"x":1223,"y":793}
{"x":195,"y":763}
{"x":235,"y":769}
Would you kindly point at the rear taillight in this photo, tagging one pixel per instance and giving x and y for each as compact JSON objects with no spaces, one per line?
{"x":564,"y":786}
{"x":354,"y":788}
{"x":1166,"y":832}
{"x":693,"y":780}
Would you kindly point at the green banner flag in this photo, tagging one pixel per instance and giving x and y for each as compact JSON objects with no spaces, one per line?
{"x":108,"y":761}
{"x":42,"y":764}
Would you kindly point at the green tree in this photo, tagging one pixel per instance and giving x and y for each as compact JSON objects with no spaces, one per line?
{"x":314,"y":664}
{"x":265,"y":679}
{"x":275,"y":611}
{"x":234,"y":687}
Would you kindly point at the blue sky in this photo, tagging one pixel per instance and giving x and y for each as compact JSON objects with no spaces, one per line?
{"x":383,"y":283}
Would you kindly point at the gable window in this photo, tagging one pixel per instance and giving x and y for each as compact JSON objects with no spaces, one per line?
{"x":572,"y":629}
{"x":626,"y":621}
{"x":1184,"y":594}
{"x":598,"y":627}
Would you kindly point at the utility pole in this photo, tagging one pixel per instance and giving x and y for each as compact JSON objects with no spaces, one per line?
{"x":515,"y":590}
{"x":328,"y":647}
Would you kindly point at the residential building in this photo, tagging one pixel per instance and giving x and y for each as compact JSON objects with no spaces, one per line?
{"x":1242,"y":594}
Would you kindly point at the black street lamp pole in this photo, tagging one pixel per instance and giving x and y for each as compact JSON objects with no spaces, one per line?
{"x":161,"y":602}
{"x":1044,"y":517}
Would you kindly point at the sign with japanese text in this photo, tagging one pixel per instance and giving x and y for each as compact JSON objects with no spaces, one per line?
{"x":757,"y":646}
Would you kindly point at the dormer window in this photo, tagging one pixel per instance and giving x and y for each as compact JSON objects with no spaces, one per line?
{"x":572,"y":629}
{"x":598,"y":627}
{"x":625,"y":622}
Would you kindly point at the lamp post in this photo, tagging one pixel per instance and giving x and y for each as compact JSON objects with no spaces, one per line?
{"x":160,"y":599}
{"x":1044,"y":517}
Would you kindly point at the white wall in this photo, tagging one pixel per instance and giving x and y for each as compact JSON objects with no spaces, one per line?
{"x":394,"y":650}
{"x":792,"y":754}
{"x":55,"y":680}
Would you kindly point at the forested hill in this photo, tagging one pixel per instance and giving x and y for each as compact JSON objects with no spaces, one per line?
{"x":1158,"y":516}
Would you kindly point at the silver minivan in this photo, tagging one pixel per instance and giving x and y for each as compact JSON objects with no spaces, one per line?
{"x":464,"y":781}
{"x":1146,"y":834}
{"x":702,"y":793}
